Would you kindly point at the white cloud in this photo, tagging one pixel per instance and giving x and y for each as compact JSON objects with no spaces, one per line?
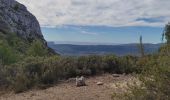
{"x":88,"y":33}
{"x":113,"y":13}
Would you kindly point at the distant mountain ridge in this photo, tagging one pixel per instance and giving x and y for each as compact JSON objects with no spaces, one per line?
{"x":83,"y":43}
{"x":118,"y":49}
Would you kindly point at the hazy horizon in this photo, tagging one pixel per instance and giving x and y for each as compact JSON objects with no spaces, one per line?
{"x":93,"y":43}
{"x":102,"y":34}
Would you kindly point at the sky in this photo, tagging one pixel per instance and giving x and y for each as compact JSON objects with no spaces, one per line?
{"x":101,"y":21}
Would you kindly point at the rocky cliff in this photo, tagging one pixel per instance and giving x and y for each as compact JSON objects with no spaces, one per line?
{"x":15,"y":18}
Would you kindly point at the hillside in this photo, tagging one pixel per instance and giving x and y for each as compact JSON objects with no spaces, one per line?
{"x":120,"y":50}
{"x":30,"y":70}
{"x":18,"y":27}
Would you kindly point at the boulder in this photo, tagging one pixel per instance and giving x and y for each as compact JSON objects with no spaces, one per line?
{"x":80,"y":81}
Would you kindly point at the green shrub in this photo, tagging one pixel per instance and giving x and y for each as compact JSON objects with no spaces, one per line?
{"x":37,"y":48}
{"x":128,"y":64}
{"x":110,"y":64}
{"x":18,"y":44}
{"x":165,"y":50}
{"x":47,"y":70}
{"x":154,"y":78}
{"x":7,"y":54}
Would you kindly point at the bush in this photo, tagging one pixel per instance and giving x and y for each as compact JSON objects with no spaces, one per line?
{"x":47,"y":70}
{"x":110,"y":64}
{"x":165,"y":50}
{"x":37,"y":48}
{"x":7,"y":54}
{"x":34,"y":72}
{"x":129,"y":64}
{"x":154,"y":78}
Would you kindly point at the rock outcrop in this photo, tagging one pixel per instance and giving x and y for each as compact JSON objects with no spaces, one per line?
{"x":14,"y":17}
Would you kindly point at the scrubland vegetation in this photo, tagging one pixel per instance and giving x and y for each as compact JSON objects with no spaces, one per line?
{"x":38,"y":71}
{"x":24,"y":66}
{"x":35,"y":68}
{"x":154,"y":77}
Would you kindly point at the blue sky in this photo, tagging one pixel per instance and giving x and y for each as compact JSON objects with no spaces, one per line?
{"x":102,"y":21}
{"x":103,"y":34}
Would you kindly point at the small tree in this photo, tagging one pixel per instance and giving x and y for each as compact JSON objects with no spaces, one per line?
{"x":141,"y":47}
{"x":167,"y":33}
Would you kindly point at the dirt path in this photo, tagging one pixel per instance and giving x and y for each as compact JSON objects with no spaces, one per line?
{"x":68,"y":90}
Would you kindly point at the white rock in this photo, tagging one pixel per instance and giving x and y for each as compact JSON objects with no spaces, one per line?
{"x":80,"y":81}
{"x":100,"y":83}
{"x":115,"y":75}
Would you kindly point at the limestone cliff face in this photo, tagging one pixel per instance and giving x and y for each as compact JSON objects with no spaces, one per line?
{"x":14,"y":17}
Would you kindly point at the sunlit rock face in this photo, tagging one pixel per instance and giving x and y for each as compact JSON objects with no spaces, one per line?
{"x":14,"y":17}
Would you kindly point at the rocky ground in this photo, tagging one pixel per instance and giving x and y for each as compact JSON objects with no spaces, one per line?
{"x":68,"y":91}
